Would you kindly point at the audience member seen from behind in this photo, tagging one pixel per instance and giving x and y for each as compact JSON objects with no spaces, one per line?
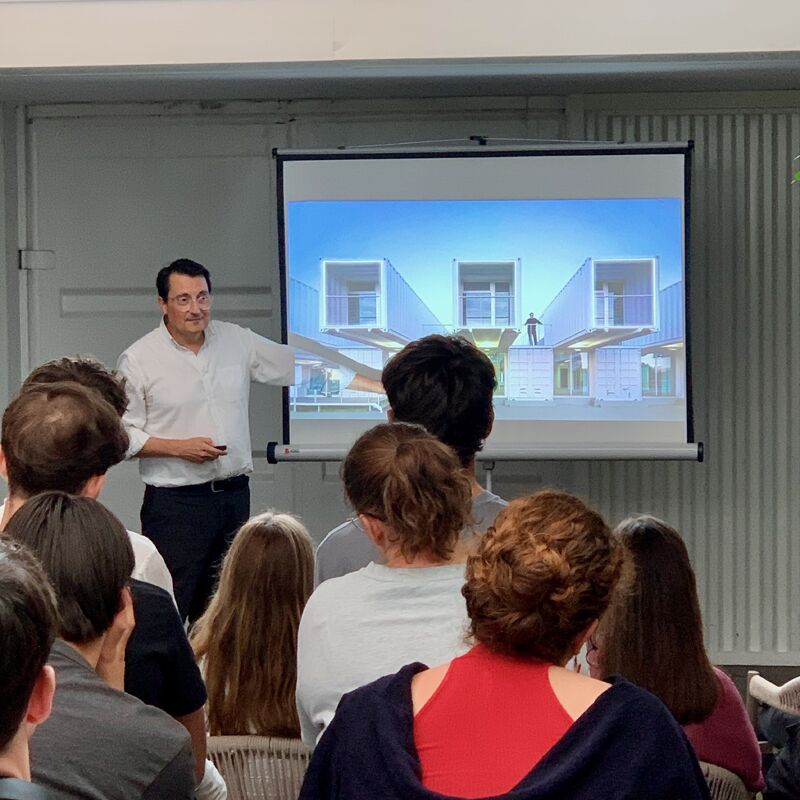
{"x":246,"y":640}
{"x":64,"y":436}
{"x":412,"y":498}
{"x":28,"y":624}
{"x":653,"y":635}
{"x":445,"y":384}
{"x":92,"y":374}
{"x":507,"y":719}
{"x":98,"y":742}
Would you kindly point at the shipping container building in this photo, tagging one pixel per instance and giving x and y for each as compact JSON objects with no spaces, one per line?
{"x":605,"y":302}
{"x":663,"y":352}
{"x":487,"y":302}
{"x":369,"y":301}
{"x":323,"y":368}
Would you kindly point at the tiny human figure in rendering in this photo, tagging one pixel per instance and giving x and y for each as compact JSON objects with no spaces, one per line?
{"x":531,"y":323}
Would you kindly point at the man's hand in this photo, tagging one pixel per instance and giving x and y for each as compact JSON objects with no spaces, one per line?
{"x":197,"y":450}
{"x":111,"y":664}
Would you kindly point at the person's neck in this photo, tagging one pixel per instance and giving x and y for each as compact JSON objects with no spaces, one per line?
{"x":90,"y":651}
{"x":395,"y":559}
{"x":474,"y":486}
{"x":192,"y":341}
{"x":13,"y":504}
{"x":15,"y":760}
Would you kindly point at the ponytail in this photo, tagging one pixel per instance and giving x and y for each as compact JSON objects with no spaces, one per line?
{"x":400,"y":474}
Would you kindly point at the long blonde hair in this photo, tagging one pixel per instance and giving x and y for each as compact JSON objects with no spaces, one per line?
{"x":248,"y":635}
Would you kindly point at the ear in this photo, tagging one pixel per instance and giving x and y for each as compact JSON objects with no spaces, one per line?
{"x":162,"y":304}
{"x":93,"y":486}
{"x":491,"y":423}
{"x":390,"y":414}
{"x":582,"y":637}
{"x":3,"y":466}
{"x":374,"y":529}
{"x":41,"y":699}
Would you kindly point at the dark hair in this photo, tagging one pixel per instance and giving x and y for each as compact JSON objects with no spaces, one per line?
{"x":402,"y":475}
{"x":28,"y":624}
{"x":445,"y":384}
{"x":86,"y":553}
{"x":540,"y":576}
{"x":183,"y":266}
{"x":88,"y":372}
{"x":58,"y":435}
{"x":653,"y":631}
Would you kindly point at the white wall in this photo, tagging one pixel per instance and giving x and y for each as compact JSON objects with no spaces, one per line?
{"x":167,"y":32}
{"x":9,"y":275}
{"x":738,"y":510}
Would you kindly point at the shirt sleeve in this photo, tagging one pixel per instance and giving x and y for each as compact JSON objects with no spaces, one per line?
{"x":160,"y":666}
{"x":270,"y":362}
{"x":212,"y":787}
{"x":135,"y":417}
{"x":154,"y":570}
{"x":176,"y":780}
{"x":307,"y":663}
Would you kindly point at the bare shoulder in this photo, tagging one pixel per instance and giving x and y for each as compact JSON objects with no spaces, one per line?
{"x":575,"y":692}
{"x":425,"y":683}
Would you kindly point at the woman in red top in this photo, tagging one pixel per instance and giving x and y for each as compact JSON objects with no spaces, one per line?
{"x":653,"y":635}
{"x":535,"y":589}
{"x":507,"y":720}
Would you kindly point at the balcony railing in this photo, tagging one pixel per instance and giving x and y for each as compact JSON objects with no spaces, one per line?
{"x":352,"y":308}
{"x":486,"y":309}
{"x":613,"y":310}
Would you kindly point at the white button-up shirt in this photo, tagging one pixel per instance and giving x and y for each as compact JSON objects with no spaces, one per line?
{"x":174,"y":393}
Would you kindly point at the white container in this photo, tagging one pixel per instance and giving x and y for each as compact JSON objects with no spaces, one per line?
{"x":487,"y":301}
{"x":530,"y":373}
{"x":604,"y":302}
{"x":617,"y":374}
{"x":369,"y":301}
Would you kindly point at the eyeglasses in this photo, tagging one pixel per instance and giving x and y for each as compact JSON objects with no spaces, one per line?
{"x":184,"y":301}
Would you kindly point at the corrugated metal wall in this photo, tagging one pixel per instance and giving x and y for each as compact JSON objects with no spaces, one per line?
{"x":739,"y":511}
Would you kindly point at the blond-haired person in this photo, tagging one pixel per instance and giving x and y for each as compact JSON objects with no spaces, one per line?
{"x":412,"y":499}
{"x":246,"y":640}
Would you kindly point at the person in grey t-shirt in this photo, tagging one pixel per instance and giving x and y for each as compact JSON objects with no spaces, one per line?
{"x":445,"y":384}
{"x":99,"y":743}
{"x":412,"y":500}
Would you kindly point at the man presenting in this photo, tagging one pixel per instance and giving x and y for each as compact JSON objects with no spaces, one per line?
{"x":187,"y":419}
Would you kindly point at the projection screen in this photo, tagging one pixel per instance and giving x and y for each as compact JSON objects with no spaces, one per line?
{"x":566,"y":265}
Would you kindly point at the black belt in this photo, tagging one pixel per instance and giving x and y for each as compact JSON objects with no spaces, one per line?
{"x":211,"y":487}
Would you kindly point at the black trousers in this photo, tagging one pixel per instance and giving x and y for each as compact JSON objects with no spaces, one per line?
{"x":192,"y":527}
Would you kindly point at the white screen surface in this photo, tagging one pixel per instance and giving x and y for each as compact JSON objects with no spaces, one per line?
{"x":566,"y":268}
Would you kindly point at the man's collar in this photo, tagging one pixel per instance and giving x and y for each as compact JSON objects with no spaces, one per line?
{"x":209,"y":333}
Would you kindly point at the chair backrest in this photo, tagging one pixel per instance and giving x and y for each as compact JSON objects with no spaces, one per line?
{"x":260,"y":767}
{"x":724,"y":784}
{"x":786,"y":697}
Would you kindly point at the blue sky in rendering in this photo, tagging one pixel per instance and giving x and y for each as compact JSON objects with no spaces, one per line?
{"x":422,"y":237}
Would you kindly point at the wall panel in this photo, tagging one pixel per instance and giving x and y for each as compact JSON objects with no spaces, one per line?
{"x":738,"y":510}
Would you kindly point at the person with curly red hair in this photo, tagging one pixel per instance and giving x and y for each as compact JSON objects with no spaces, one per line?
{"x":507,"y":719}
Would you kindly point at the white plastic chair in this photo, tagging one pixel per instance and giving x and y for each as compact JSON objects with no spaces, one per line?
{"x":786,"y":697}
